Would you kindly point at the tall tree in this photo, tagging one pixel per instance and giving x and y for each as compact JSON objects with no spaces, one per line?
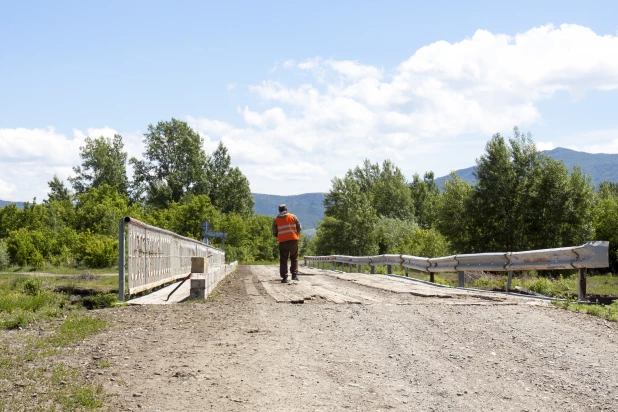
{"x":174,"y":164}
{"x":349,"y":220}
{"x":453,"y":213}
{"x":425,"y":195}
{"x":386,"y":187}
{"x":494,"y":198}
{"x":57,"y":191}
{"x":103,"y":163}
{"x":228,"y":188}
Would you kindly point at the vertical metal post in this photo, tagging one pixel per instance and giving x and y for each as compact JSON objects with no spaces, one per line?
{"x":389,"y":269}
{"x":360,"y":268}
{"x":121,"y":260}
{"x":432,"y":278}
{"x":373,"y":269}
{"x":509,"y":281}
{"x":405,"y":271}
{"x":581,"y":292}
{"x":461,"y":278}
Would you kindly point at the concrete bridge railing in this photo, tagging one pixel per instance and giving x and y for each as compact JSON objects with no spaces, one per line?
{"x":150,"y":256}
{"x":593,"y":254}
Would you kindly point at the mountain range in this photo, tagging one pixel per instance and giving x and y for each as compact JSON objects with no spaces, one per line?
{"x":599,"y":166}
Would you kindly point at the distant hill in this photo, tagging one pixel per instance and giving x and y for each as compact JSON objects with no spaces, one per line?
{"x":599,"y":166}
{"x":4,"y":203}
{"x":308,"y":207}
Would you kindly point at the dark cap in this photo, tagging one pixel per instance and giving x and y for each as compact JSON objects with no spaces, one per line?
{"x":282,"y":208}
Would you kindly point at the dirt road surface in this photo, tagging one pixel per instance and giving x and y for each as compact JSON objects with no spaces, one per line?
{"x":350,"y":346}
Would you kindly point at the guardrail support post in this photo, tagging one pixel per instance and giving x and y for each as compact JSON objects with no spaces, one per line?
{"x":373,"y":270}
{"x":405,"y":271}
{"x":432,"y":277}
{"x":461,"y":278}
{"x":121,"y":260}
{"x":509,"y":281}
{"x":581,"y":292}
{"x":389,"y":269}
{"x":360,"y":268}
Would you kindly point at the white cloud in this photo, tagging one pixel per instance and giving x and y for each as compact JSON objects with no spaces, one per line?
{"x":447,"y":97}
{"x":433,"y":111}
{"x":544,"y":146}
{"x":31,"y":157}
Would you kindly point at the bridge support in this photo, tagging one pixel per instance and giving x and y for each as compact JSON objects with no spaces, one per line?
{"x":199,"y":266}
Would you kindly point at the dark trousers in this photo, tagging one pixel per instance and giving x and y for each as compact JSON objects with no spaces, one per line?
{"x":288,"y":248}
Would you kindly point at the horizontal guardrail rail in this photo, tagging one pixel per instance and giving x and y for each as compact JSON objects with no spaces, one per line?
{"x":150,"y":256}
{"x":594,"y":254}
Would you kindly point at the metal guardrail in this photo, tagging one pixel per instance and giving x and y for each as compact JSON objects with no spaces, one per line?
{"x":593,"y":254}
{"x":150,"y":256}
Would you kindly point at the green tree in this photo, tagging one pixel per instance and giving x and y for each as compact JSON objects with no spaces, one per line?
{"x":99,"y":210}
{"x":103,"y":163}
{"x":174,"y":164}
{"x":349,"y":223}
{"x":606,"y":227}
{"x":525,"y":200}
{"x":57,"y":191}
{"x":386,"y":187}
{"x":391,"y":233}
{"x":228,"y":188}
{"x":453,"y":217}
{"x":186,"y":217}
{"x":494,"y":199}
{"x":425,"y":195}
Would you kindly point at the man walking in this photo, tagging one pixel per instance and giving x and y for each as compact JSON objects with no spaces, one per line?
{"x":286,"y":228}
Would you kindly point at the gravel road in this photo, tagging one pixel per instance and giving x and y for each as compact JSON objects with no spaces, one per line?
{"x":243,"y":351}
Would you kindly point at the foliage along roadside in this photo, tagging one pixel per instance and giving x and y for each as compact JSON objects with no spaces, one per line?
{"x":522,"y":200}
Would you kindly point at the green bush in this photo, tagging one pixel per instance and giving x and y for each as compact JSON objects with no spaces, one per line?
{"x":33,"y":286}
{"x":5,"y":259}
{"x":98,"y":251}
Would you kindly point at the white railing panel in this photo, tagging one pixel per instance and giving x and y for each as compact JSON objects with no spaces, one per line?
{"x":157,"y":256}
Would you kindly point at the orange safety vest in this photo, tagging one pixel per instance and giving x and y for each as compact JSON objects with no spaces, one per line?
{"x":286,"y":228}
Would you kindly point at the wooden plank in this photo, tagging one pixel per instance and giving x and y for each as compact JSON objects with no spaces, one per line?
{"x":278,"y":294}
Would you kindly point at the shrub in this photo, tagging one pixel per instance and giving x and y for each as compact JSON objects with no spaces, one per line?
{"x":98,"y":251}
{"x":32,"y":286}
{"x":5,"y":260}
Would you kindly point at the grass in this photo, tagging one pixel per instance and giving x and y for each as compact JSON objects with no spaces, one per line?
{"x":608,"y":312}
{"x":59,"y":270}
{"x":26,"y":372}
{"x":25,"y":300}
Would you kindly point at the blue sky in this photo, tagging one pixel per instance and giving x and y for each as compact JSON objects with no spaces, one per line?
{"x":288,"y":86}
